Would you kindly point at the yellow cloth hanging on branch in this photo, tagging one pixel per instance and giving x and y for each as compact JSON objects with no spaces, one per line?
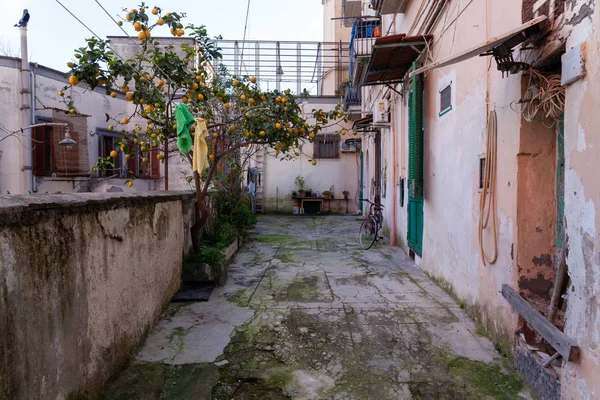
{"x":200,"y":160}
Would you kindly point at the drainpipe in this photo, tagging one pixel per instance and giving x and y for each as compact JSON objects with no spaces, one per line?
{"x":32,"y":76}
{"x":378,"y":166}
{"x":393,"y":227}
{"x":435,"y":15}
{"x":26,"y":112}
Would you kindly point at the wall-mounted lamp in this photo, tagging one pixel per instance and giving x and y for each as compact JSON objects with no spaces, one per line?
{"x":68,"y":141}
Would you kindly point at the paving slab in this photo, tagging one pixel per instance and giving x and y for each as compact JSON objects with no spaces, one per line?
{"x":307,"y":314}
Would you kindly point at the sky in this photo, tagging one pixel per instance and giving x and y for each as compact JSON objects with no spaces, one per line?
{"x":53,"y":33}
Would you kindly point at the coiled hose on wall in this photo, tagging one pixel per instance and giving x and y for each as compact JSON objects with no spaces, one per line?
{"x":487,"y":204}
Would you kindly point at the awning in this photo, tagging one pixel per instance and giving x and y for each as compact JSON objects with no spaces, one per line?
{"x":392,"y":58}
{"x":363,"y":123}
{"x":505,"y":43}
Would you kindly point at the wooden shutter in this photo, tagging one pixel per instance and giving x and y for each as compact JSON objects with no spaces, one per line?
{"x":154,"y":164}
{"x":415,"y":136}
{"x":39,"y":151}
{"x":132,"y":163}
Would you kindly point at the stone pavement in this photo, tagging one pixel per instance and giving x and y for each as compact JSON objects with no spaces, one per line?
{"x":307,"y":314}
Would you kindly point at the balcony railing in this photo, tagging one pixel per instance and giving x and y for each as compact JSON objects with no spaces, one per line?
{"x":352,"y":97}
{"x":364,"y":33}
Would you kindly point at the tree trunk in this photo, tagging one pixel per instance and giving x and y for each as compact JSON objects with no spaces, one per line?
{"x":201,"y":217}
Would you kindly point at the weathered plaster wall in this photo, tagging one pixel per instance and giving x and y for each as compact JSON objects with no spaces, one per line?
{"x":342,"y":174}
{"x":11,"y":158}
{"x":82,"y":280}
{"x":453,"y":145}
{"x":582,"y":202}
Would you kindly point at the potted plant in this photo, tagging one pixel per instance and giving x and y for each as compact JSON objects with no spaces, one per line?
{"x":307,"y":192}
{"x":326,"y":194}
{"x":294,"y":194}
{"x":346,"y":194}
{"x":299,"y":181}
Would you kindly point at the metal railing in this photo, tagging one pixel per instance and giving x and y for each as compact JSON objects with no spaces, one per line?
{"x":352,"y":96}
{"x":364,"y":33}
{"x":318,"y":67}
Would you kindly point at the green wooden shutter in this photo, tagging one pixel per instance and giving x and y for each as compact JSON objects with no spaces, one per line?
{"x":415,"y":136}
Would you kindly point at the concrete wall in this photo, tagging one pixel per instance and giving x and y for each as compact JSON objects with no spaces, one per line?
{"x":82,"y":280}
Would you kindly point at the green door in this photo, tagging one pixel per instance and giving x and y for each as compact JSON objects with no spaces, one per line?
{"x":415,"y":164}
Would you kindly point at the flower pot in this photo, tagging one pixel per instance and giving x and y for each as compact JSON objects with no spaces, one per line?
{"x":326,"y":196}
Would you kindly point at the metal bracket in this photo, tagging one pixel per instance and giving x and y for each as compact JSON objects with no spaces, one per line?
{"x":392,"y":88}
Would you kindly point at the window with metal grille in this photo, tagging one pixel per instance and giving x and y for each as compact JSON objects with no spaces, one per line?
{"x":446,"y":100}
{"x":327,"y":146}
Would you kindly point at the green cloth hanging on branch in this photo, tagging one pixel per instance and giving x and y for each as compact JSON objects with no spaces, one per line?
{"x":185,"y":120}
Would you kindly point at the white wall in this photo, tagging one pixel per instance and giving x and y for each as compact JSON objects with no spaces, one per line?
{"x":342,"y":174}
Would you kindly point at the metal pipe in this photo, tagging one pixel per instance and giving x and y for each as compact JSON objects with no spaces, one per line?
{"x":378,"y":166}
{"x":32,"y":77}
{"x":26,"y":112}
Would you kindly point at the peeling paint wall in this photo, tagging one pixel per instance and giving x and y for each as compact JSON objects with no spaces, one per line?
{"x":582,"y":200}
{"x":526,"y":175}
{"x":454,"y":143}
{"x":82,"y":280}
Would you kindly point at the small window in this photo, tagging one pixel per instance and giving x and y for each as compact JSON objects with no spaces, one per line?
{"x":446,"y":100}
{"x":109,"y":142}
{"x":52,"y":159}
{"x":482,"y":162}
{"x":327,"y":146}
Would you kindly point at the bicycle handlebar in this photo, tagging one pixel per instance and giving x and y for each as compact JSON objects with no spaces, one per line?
{"x":371,"y":203}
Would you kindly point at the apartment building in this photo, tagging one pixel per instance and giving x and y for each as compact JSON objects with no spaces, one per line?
{"x":478,"y":138}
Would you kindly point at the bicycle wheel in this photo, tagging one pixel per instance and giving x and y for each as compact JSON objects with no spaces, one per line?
{"x":368,"y":233}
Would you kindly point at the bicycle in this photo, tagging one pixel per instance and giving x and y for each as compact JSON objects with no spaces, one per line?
{"x":371,"y":225}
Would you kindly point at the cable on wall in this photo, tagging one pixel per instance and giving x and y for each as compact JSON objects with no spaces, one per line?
{"x":487,"y":204}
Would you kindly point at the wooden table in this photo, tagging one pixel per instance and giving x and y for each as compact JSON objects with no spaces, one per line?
{"x":321,"y":200}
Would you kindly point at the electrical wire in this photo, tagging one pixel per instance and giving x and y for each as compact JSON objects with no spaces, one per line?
{"x":245,"y":29}
{"x":94,"y":33}
{"x":545,"y":97}
{"x":487,"y":203}
{"x":115,"y":52}
{"x":139,"y":48}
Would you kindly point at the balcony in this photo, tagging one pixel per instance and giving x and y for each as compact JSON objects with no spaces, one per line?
{"x":390,"y":6}
{"x":364,"y":33}
{"x":352,"y":97}
{"x":351,"y":8}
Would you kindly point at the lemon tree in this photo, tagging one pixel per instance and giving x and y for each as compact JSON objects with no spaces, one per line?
{"x":241,"y":116}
